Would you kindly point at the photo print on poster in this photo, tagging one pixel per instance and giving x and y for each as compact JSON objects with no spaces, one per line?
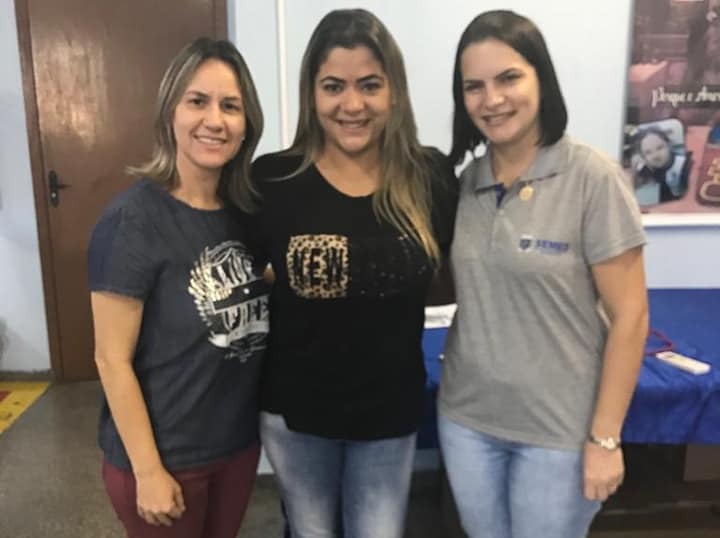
{"x":671,"y":144}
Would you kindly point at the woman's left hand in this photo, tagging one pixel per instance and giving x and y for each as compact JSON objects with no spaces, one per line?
{"x":603,"y":471}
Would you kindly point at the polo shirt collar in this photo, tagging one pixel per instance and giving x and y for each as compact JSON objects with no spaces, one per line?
{"x":549,"y":162}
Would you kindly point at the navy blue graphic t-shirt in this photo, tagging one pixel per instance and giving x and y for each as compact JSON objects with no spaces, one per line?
{"x":204,"y":325}
{"x":344,"y":357}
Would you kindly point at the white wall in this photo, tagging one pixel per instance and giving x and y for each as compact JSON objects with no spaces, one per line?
{"x":22,"y":310}
{"x":252,"y":27}
{"x":589,"y":53}
{"x":683,"y":257}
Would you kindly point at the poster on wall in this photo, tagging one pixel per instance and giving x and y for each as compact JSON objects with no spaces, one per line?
{"x":671,"y":144}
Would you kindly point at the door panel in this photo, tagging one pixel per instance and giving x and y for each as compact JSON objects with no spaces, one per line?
{"x":96,"y":67}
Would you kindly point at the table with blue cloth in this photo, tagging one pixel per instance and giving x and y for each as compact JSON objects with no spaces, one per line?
{"x":674,"y":416}
{"x":669,"y":406}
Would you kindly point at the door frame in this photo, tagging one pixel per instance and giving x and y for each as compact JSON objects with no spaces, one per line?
{"x":38,"y":172}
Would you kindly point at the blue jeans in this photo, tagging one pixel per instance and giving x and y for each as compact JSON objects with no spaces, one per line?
{"x":366,"y":481}
{"x":505,"y":489}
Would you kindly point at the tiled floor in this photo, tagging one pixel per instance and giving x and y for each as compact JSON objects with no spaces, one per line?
{"x":50,"y":484}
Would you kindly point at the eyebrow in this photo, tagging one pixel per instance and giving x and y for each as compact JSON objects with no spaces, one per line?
{"x":205,"y":95}
{"x":501,"y":74}
{"x":367,"y":78}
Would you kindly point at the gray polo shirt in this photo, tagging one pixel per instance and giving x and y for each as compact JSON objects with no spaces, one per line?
{"x":524,"y":352}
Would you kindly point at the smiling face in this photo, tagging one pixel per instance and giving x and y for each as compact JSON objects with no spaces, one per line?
{"x":352,"y":101}
{"x":209,"y":121}
{"x":501,"y":93}
{"x":655,"y":151}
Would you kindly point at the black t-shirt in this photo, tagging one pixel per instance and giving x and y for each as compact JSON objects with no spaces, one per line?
{"x":204,"y":325}
{"x":347,"y":309}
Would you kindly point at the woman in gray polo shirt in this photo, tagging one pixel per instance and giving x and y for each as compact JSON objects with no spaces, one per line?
{"x":535,"y":383}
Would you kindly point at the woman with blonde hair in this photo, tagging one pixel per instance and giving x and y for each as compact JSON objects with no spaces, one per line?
{"x":180,"y":312}
{"x":355,"y":218}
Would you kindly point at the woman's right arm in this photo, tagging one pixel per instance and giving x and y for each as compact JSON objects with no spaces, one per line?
{"x":117,"y":321}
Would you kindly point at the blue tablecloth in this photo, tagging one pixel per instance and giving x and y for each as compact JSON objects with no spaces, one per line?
{"x":669,"y":405}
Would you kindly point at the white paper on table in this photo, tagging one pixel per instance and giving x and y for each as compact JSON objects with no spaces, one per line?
{"x":437,"y":317}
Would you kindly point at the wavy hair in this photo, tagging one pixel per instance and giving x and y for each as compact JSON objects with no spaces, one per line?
{"x":235,"y":185}
{"x":403,"y":196}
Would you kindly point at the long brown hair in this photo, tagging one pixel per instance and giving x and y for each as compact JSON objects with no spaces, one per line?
{"x":403,"y":197}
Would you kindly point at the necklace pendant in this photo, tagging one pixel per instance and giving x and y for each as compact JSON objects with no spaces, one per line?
{"x":526,"y":192}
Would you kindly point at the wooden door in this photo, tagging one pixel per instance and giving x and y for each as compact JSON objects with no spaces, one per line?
{"x":91,"y":69}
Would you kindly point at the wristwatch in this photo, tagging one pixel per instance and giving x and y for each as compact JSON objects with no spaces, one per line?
{"x":608,"y":443}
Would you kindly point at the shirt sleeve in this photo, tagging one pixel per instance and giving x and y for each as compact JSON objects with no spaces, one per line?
{"x":611,"y":217}
{"x":122,"y":258}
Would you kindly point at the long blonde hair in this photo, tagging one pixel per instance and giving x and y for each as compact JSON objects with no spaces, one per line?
{"x":235,"y":185}
{"x":403,"y":197}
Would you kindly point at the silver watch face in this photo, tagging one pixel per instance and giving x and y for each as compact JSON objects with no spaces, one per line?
{"x":609,"y":443}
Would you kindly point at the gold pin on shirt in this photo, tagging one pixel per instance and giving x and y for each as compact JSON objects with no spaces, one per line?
{"x":526,"y":192}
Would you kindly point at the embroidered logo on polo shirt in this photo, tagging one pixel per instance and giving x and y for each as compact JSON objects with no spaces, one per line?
{"x":525,"y":243}
{"x":547,"y":246}
{"x":543,"y":246}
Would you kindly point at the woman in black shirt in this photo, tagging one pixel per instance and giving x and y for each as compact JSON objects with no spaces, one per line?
{"x":355,"y":218}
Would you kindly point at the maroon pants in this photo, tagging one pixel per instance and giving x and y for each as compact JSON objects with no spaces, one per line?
{"x":216,"y":496}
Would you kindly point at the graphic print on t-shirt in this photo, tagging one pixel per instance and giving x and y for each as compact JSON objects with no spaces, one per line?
{"x":231,"y":299}
{"x":318,"y":266}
